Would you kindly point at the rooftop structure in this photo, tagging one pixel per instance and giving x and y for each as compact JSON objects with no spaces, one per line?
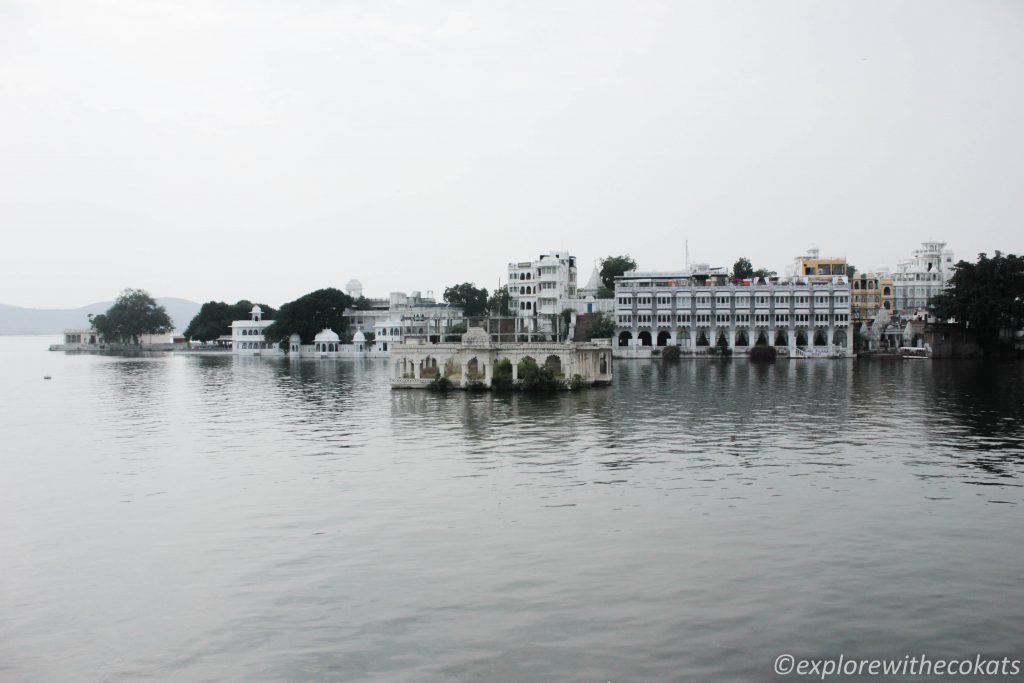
{"x":818,"y":268}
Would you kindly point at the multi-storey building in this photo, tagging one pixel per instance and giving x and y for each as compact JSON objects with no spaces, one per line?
{"x":818,"y":268}
{"x":800,"y":317}
{"x":921,"y":277}
{"x":870,"y":293}
{"x":540,"y":290}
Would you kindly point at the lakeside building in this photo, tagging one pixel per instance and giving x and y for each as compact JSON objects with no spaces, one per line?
{"x":540,"y":290}
{"x":818,"y":268}
{"x":870,"y":293}
{"x":415,"y":364}
{"x":922,"y":276}
{"x":247,"y":336}
{"x":401,"y":316}
{"x":699,"y":308}
{"x":88,"y":339}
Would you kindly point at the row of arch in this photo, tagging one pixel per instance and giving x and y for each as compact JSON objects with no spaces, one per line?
{"x":527,"y":290}
{"x":742,"y":339}
{"x":525,"y":276}
{"x":255,"y":345}
{"x":249,"y":332}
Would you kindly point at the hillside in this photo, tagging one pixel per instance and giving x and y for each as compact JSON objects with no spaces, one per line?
{"x":18,"y":320}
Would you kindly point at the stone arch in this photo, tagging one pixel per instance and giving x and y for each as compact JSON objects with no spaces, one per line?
{"x":820,"y":339}
{"x":742,"y":339}
{"x":702,"y":339}
{"x":839,"y":338}
{"x":428,"y":368}
{"x":625,"y":337}
{"x":664,"y":338}
{"x":473,"y":369}
{"x":762,"y":339}
{"x":780,"y":338}
{"x":801,"y":339}
{"x":554,"y":364}
{"x":722,"y":342}
{"x":644,"y":338}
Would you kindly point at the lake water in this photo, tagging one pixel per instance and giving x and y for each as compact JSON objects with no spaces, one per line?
{"x":212,"y":518}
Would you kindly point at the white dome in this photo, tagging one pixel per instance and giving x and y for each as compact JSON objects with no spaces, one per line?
{"x":326,"y":335}
{"x":256,"y":310}
{"x":358,"y":337}
{"x":295,"y":338}
{"x":354,"y":288}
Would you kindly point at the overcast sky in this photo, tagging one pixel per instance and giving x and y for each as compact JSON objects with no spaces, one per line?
{"x":265,"y":149}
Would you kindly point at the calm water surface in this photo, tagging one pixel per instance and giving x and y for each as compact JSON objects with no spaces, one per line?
{"x":215,"y":518}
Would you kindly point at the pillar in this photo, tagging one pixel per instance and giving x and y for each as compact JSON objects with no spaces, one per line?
{"x":791,"y":335}
{"x":515,"y":370}
{"x":416,"y":368}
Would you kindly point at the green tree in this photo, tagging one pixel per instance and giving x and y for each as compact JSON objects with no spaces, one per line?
{"x":134,"y":314}
{"x":472,"y":300}
{"x":743,"y":269}
{"x":307,"y":315}
{"x":362,"y":304}
{"x":498,"y":302}
{"x":987,"y":296}
{"x":215,"y":317}
{"x":611,"y":266}
{"x":601,"y":327}
{"x":851,"y":270}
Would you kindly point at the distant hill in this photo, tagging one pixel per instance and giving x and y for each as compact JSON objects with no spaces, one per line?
{"x":18,"y":320}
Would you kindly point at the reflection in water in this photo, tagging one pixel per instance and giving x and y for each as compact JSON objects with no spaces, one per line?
{"x":259,"y":518}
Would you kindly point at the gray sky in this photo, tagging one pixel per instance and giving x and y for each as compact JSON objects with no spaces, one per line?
{"x":266,"y":149}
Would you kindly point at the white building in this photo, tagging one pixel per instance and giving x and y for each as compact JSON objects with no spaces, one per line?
{"x":540,"y":290}
{"x":918,"y":279}
{"x":701,"y":308}
{"x":402,"y":316}
{"x":247,"y":336}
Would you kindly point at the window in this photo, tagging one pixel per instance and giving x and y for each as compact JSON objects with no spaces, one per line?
{"x":664,"y":301}
{"x":625,"y":319}
{"x":782,"y":318}
{"x":722,"y":318}
{"x":743,"y":318}
{"x":643,"y":301}
{"x":664,"y":319}
{"x":683,"y":319}
{"x":722,"y":301}
{"x":821,"y":318}
{"x":643,"y":319}
{"x":703,"y":318}
{"x":761,"y":318}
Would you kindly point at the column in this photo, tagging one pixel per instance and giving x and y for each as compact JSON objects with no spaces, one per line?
{"x":515,"y":370}
{"x":416,"y":368}
{"x":791,"y":335}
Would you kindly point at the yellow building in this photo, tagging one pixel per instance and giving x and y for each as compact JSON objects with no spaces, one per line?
{"x":818,"y":268}
{"x":870,"y":292}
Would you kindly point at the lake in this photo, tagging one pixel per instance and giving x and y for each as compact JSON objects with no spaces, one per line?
{"x":208,"y":518}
